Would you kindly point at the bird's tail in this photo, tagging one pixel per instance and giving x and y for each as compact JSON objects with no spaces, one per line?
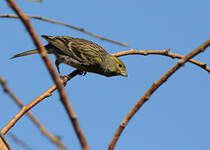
{"x":34,"y":51}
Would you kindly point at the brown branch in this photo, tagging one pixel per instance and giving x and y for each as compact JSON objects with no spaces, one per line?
{"x":63,"y":97}
{"x":164,"y":52}
{"x":152,"y":89}
{"x":26,"y":108}
{"x":43,"y":130}
{"x":4,"y":145}
{"x":68,"y":25}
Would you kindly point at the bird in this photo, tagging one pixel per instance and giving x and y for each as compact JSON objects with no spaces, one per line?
{"x":81,"y":54}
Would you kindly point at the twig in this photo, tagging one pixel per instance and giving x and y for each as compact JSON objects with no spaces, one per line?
{"x":18,"y":141}
{"x":67,"y":25}
{"x":164,"y":52}
{"x":63,"y":97}
{"x":4,"y":145}
{"x":36,"y":101}
{"x":43,"y":130}
{"x":152,"y":89}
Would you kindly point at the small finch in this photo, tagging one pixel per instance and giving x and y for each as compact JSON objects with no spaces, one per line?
{"x":81,"y":54}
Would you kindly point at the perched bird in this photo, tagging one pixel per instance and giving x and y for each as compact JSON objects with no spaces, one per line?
{"x":81,"y":54}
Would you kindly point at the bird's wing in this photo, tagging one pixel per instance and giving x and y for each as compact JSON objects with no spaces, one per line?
{"x":82,"y":50}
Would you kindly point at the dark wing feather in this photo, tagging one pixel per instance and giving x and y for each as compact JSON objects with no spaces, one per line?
{"x":82,"y":50}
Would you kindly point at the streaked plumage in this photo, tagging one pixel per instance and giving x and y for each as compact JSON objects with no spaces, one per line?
{"x":81,"y":54}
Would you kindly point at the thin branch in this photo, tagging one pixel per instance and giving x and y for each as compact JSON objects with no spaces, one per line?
{"x":152,"y":89}
{"x":63,"y":97}
{"x":43,"y":130}
{"x":67,"y":25}
{"x":18,"y":141}
{"x":26,"y":108}
{"x":4,"y":145}
{"x":164,"y":52}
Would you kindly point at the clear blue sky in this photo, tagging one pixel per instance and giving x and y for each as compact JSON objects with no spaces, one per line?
{"x":177,"y":115}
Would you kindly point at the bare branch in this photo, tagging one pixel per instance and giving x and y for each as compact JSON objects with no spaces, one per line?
{"x":26,"y":108}
{"x":152,"y":89}
{"x":67,"y":25}
{"x":63,"y":97}
{"x":164,"y":52}
{"x":4,"y":145}
{"x":43,"y":130}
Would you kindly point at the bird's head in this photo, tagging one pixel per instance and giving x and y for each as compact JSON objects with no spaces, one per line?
{"x":114,"y":66}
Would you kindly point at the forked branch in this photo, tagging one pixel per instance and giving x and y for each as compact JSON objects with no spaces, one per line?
{"x":26,"y":108}
{"x":43,"y":130}
{"x":152,"y":89}
{"x":164,"y":52}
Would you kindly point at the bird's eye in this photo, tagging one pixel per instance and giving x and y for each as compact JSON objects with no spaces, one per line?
{"x":120,"y":65}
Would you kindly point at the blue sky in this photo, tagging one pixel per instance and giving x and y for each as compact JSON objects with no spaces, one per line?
{"x":176,"y":116}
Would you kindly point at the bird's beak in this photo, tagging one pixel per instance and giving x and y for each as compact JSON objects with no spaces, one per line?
{"x":124,"y":74}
